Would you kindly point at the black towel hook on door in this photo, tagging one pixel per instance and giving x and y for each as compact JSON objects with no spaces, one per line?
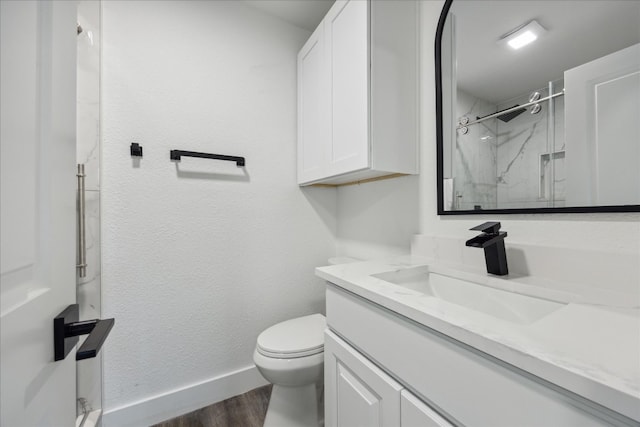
{"x":67,"y":328}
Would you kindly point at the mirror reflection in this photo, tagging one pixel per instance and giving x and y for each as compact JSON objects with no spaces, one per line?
{"x":540,"y":105}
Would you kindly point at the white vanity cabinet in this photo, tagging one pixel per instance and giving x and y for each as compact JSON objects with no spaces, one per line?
{"x":383,"y":369}
{"x":357,"y":93}
{"x":358,"y":393}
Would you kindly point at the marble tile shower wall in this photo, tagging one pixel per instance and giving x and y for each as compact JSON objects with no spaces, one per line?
{"x":510,"y":164}
{"x":89,"y":385}
{"x":474,"y":162}
{"x":528,"y":159}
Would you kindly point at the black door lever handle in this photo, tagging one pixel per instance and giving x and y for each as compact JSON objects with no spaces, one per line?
{"x":98,"y":334}
{"x":67,"y":328}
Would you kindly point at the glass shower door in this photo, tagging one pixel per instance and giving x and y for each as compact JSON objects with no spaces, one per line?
{"x":89,"y":371}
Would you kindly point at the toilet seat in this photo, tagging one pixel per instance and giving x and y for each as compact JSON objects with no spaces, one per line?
{"x":300,"y":337}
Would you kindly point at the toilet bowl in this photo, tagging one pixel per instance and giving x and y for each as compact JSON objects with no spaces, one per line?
{"x":290,"y":355}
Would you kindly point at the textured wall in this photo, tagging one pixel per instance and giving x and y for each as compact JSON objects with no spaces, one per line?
{"x":378,"y":218}
{"x":613,"y":232}
{"x":199,"y":257}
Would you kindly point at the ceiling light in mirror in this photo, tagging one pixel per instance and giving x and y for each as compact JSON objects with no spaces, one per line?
{"x":523,"y":35}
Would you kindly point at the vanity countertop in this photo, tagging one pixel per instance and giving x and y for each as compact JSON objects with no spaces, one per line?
{"x":590,"y":349}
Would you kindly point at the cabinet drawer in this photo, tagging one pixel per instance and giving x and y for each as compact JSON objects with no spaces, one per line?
{"x":458,"y":381}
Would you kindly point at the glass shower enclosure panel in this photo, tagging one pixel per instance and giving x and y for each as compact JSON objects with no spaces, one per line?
{"x":510,"y":154}
{"x":475,"y":155}
{"x":89,"y":371}
{"x":530,"y":153}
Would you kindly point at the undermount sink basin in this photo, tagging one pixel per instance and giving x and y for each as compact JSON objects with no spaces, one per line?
{"x":504,"y":305}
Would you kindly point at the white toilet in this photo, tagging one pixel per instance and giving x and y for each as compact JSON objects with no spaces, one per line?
{"x":290,"y":355}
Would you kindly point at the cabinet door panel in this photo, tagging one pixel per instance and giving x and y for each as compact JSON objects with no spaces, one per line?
{"x":346,"y":32}
{"x":358,"y":394}
{"x":313,"y":105}
{"x":415,"y":413}
{"x":358,"y":404}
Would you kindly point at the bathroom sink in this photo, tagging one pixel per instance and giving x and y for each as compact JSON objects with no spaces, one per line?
{"x":504,"y":305}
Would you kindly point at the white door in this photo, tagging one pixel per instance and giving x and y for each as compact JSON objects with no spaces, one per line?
{"x":602,"y":112}
{"x":38,"y":197}
{"x":346,"y":29}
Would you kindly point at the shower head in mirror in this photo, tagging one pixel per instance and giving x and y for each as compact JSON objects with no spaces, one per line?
{"x":534,"y":96}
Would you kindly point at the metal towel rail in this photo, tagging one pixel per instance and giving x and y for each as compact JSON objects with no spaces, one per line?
{"x":177,"y":154}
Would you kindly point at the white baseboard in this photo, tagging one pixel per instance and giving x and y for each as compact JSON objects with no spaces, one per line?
{"x":183,"y":400}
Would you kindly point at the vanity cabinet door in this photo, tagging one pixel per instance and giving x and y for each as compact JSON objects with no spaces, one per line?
{"x":358,"y":394}
{"x":416,"y":413}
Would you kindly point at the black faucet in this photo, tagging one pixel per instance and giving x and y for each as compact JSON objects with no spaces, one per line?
{"x":492,"y":241}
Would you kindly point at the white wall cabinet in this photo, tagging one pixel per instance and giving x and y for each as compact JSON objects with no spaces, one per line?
{"x":357,"y":93}
{"x":312,"y":108}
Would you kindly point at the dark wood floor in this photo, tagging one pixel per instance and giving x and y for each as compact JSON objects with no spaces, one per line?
{"x":246,"y":410}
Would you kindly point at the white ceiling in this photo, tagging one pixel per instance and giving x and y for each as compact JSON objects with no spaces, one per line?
{"x":305,"y":14}
{"x":577,"y":32}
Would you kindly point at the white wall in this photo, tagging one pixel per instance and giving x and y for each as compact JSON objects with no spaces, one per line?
{"x":378,"y":218}
{"x":199,"y":257}
{"x":616,"y":232}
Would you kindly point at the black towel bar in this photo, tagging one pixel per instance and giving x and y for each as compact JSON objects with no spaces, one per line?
{"x":177,"y":154}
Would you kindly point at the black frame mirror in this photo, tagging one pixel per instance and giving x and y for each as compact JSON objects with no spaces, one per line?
{"x":441,"y":142}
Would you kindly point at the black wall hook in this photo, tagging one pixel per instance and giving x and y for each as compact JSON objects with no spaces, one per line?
{"x":136,"y":149}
